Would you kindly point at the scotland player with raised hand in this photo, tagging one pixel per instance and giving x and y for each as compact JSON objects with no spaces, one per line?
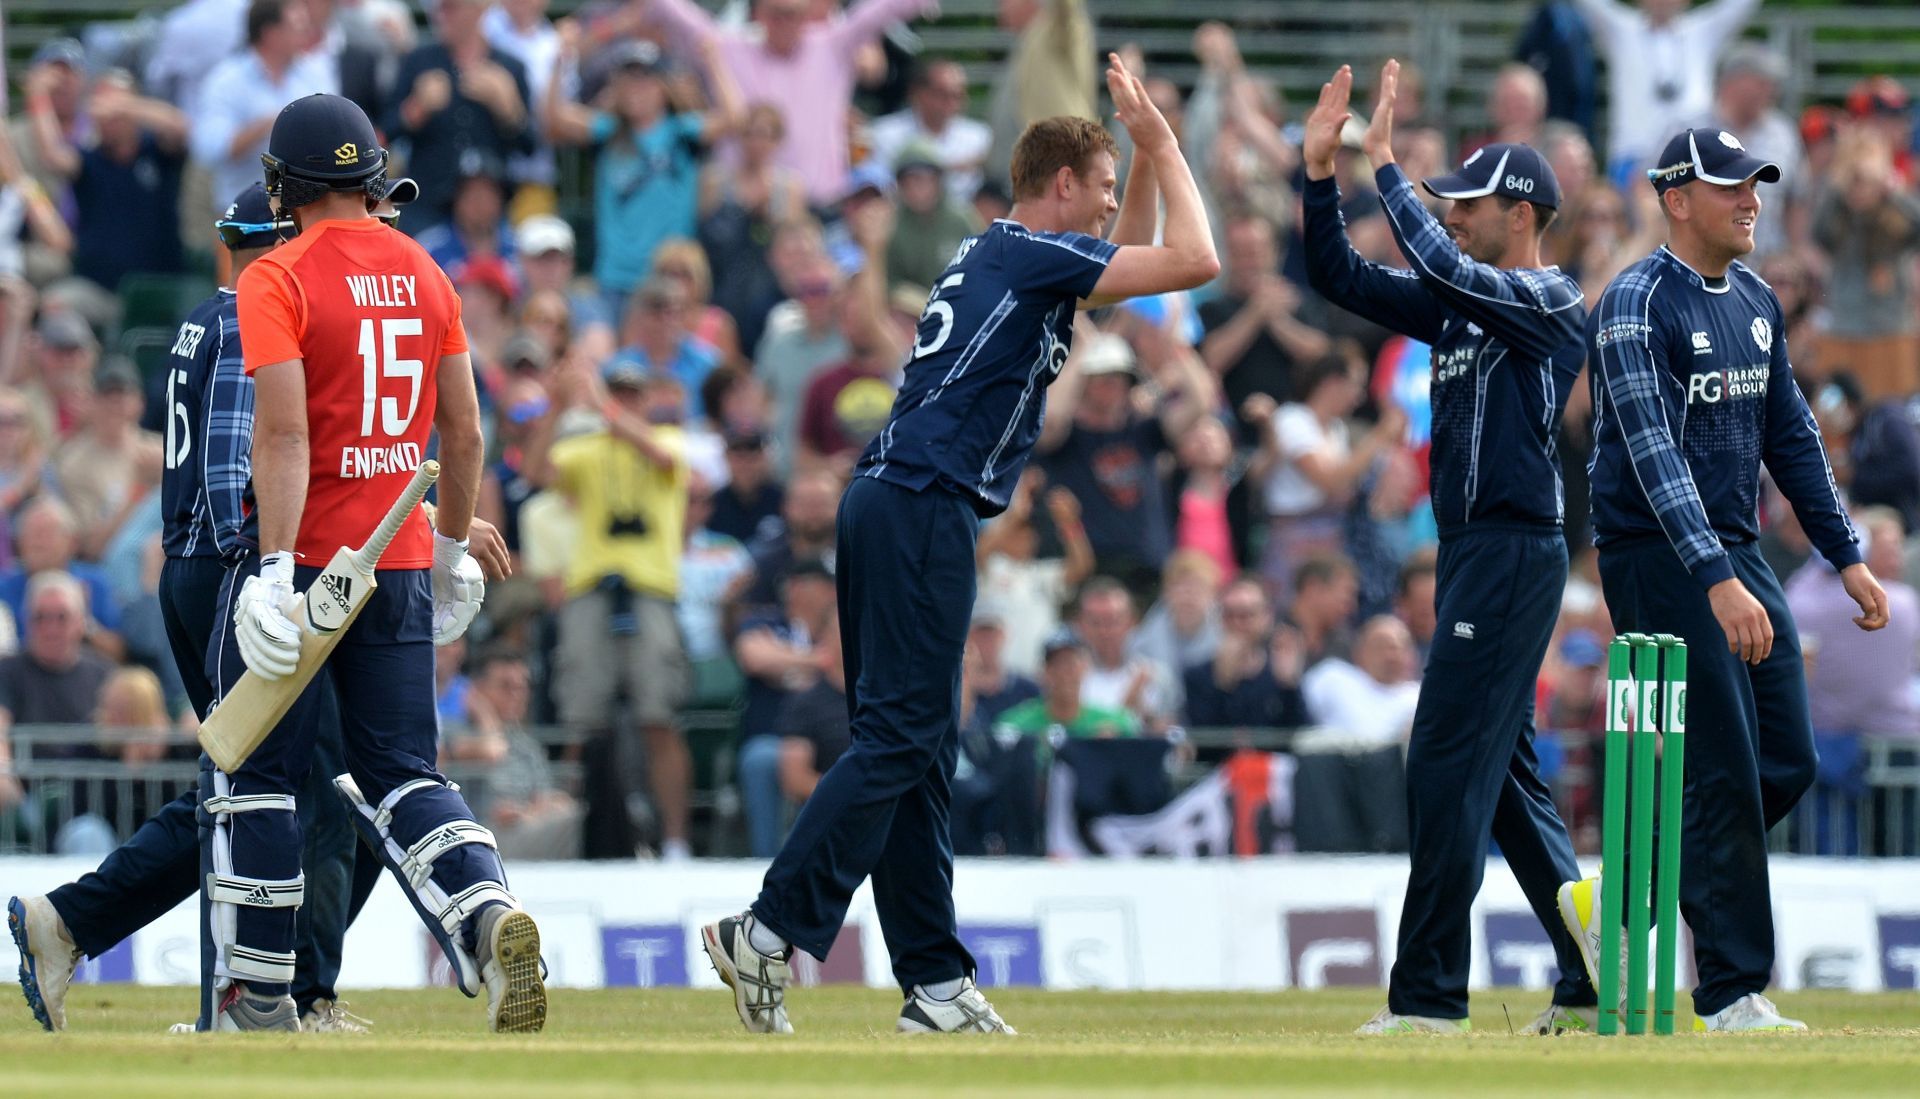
{"x":993,"y":336}
{"x":1506,"y":337}
{"x":1692,"y":391}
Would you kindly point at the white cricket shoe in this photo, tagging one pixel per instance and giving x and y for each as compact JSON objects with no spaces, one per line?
{"x":332,"y":1016}
{"x":48,"y":958}
{"x":967,"y":1011}
{"x":1750,"y":1013}
{"x":1560,"y":1019}
{"x":1386,"y":1022}
{"x":516,"y":988}
{"x":759,"y":981}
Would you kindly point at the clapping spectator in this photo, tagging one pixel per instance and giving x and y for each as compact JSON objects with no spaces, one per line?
{"x":801,"y":62}
{"x":456,"y":94}
{"x":1869,"y":226}
{"x":936,"y":123}
{"x":235,"y":106}
{"x":1260,"y":328}
{"x":1308,"y":467}
{"x":1253,"y":677}
{"x":1104,"y":446}
{"x":779,"y":654}
{"x":742,"y":209}
{"x":521,"y":29}
{"x":55,"y":90}
{"x":647,"y":162}
{"x":1117,"y":675}
{"x":1013,"y":572}
{"x":1050,"y":72}
{"x":846,"y":404}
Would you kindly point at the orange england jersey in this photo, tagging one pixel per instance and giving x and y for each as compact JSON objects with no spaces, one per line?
{"x":370,"y":315}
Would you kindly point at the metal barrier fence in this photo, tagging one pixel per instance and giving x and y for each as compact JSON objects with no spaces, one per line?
{"x":78,"y":789}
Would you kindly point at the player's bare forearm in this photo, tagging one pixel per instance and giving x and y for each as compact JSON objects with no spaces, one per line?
{"x":462,"y":448}
{"x":281,"y":452}
{"x":1140,"y":205}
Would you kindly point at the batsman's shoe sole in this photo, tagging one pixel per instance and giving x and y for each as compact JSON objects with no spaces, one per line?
{"x":29,"y":979}
{"x":522,"y":1007}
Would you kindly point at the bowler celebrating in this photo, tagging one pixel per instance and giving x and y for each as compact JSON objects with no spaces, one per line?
{"x":993,"y":336}
{"x":1692,"y":391}
{"x":1506,"y":345}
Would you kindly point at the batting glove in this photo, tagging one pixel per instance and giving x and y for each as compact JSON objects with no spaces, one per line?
{"x":459,"y":588}
{"x":269,"y":640}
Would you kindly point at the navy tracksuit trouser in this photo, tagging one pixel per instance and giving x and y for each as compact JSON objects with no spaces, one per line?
{"x":906,"y":586}
{"x":1472,"y":774}
{"x":159,"y":865}
{"x":1750,"y":754}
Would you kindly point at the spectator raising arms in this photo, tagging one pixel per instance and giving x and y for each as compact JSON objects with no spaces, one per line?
{"x":804,"y":64}
{"x":646,"y":172}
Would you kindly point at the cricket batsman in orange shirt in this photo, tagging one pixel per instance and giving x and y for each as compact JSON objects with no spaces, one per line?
{"x":354,"y":341}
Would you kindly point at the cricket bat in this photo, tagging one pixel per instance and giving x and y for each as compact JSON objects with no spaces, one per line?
{"x":251,"y":710}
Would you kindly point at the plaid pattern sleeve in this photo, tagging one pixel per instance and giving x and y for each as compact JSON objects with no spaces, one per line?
{"x":1638,"y":387}
{"x":1533,"y":311}
{"x":1393,"y":299}
{"x":227,"y":450}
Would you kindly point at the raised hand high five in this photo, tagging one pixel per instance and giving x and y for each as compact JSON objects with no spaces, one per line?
{"x":1322,"y":138}
{"x":1136,"y":112}
{"x":1377,"y":144}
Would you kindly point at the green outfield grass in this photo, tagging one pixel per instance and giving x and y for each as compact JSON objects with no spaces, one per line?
{"x":1111,"y":1045}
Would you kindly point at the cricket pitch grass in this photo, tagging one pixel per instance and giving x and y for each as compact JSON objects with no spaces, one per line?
{"x":683,"y":1042}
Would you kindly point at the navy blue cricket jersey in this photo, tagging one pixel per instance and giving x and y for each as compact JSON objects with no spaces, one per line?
{"x":1692,"y":390}
{"x":1507,"y":345}
{"x":993,"y":336}
{"x":206,"y":489}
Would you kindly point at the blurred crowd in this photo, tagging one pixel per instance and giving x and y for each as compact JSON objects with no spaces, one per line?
{"x":693,"y":250}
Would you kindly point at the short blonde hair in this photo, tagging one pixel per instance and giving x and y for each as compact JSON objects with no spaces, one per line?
{"x":146,"y":702}
{"x":680,"y":250}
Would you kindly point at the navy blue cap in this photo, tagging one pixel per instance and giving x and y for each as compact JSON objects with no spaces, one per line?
{"x":1062,"y":639}
{"x":250,"y":222}
{"x":1709,"y":154}
{"x":1514,"y":170}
